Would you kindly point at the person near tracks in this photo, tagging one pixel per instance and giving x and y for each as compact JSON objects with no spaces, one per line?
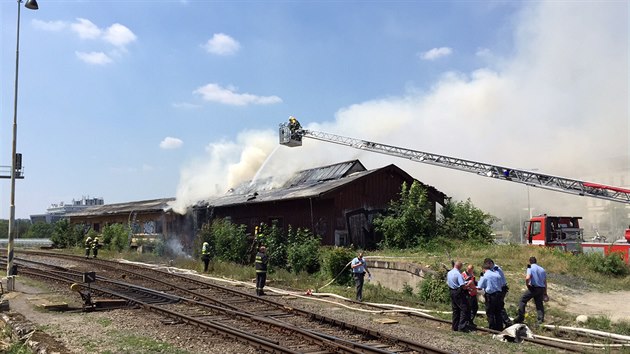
{"x":95,"y":246}
{"x":491,"y":283}
{"x":473,"y":304}
{"x":88,"y":246}
{"x":261,"y":270}
{"x":507,"y":322}
{"x":205,"y":256}
{"x":359,"y":268}
{"x":459,"y":298}
{"x":536,"y":281}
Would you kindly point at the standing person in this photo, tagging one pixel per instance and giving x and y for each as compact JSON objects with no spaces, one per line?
{"x":359,"y":268}
{"x":459,"y":301}
{"x":261,"y":270}
{"x":507,"y":322}
{"x":95,"y":246}
{"x":205,"y":256}
{"x":473,"y":304}
{"x":88,"y":246}
{"x":536,"y":281}
{"x":491,"y":284}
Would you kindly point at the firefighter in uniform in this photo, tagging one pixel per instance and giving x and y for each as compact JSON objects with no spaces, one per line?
{"x":261,"y":270}
{"x":95,"y":246}
{"x":88,"y":246}
{"x":205,"y":256}
{"x":491,"y":283}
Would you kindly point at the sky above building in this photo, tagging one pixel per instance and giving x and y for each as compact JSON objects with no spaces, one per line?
{"x":139,"y":100}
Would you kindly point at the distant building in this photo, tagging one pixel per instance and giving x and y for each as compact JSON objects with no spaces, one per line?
{"x":59,"y":211}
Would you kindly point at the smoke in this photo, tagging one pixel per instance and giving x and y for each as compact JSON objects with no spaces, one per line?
{"x":557,"y":104}
{"x":176,"y":248}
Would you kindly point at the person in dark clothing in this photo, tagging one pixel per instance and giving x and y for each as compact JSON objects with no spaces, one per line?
{"x":459,"y":301}
{"x":205,"y":256}
{"x":95,"y":246}
{"x":261,"y":270}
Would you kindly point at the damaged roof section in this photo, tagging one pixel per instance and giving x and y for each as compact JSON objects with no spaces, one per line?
{"x":309,"y":183}
{"x":121,"y":208}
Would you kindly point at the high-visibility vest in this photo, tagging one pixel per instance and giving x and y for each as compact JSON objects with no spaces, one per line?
{"x":205,"y":249}
{"x":88,"y":242}
{"x":261,"y":263}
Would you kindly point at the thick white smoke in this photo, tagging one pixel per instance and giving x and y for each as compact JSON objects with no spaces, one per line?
{"x":559,"y":104}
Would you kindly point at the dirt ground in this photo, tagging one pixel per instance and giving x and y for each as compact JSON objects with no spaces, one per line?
{"x":615,"y":305}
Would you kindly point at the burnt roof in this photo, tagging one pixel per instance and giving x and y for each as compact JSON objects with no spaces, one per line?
{"x":129,"y":207}
{"x":309,"y":183}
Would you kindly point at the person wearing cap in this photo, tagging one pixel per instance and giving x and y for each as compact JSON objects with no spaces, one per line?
{"x":536,"y":281}
{"x":459,"y":302}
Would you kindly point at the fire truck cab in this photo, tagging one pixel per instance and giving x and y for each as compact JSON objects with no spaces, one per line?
{"x":556,"y":231}
{"x":564,"y":232}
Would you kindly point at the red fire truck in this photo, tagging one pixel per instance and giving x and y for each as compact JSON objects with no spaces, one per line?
{"x":564,"y":232}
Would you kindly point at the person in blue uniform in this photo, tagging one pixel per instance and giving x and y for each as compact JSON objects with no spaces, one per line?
{"x":459,"y":301}
{"x":359,"y":268}
{"x":507,"y":322}
{"x":491,"y":284}
{"x":536,"y":281}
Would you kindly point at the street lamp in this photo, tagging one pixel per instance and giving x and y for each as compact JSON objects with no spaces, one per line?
{"x":32,"y":5}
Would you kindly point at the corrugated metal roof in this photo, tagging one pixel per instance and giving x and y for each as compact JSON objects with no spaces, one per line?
{"x":138,"y":206}
{"x":303,"y":190}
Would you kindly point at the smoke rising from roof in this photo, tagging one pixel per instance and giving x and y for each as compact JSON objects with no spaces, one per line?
{"x":558,"y":104}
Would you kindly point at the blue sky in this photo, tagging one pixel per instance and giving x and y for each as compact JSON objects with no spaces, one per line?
{"x":148,"y":99}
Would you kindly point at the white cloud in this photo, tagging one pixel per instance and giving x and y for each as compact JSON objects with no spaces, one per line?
{"x":171,"y":143}
{"x":98,"y":58}
{"x":185,"y":105}
{"x":86,"y":29}
{"x":52,"y":26}
{"x":216,"y":93}
{"x":118,"y":35}
{"x":436,"y":53}
{"x":222,"y":44}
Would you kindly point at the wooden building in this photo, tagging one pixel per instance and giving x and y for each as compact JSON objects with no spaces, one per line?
{"x":338,"y":202}
{"x":148,"y":220}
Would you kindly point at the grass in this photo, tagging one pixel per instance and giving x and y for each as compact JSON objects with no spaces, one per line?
{"x":125,"y":343}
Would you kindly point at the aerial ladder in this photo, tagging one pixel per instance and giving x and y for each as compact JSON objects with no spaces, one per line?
{"x":292,"y":133}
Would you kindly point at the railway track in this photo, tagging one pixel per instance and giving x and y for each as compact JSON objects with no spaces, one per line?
{"x":262,"y":323}
{"x":216,"y":298}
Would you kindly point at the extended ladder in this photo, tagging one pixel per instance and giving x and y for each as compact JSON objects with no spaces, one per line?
{"x":290,"y":136}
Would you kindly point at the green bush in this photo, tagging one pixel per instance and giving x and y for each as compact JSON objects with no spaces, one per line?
{"x":407,"y":289}
{"x":434,"y":289}
{"x":303,"y":251}
{"x":610,"y":264}
{"x":276,"y":242}
{"x":115,"y":237}
{"x":230,"y":241}
{"x":336,"y":261}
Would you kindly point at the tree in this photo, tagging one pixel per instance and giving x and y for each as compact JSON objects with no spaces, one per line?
{"x":115,"y":237}
{"x":409,"y":221}
{"x":40,"y":230}
{"x":464,"y":221}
